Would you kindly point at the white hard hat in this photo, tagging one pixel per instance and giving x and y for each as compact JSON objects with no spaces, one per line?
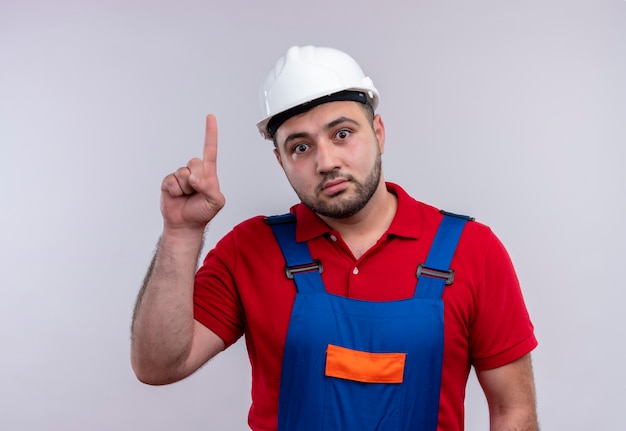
{"x":309,"y":73}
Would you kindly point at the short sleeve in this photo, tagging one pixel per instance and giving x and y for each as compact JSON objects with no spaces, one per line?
{"x":501,"y":331}
{"x":216,"y":301}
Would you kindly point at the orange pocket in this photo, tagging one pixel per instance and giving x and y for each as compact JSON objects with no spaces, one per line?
{"x":364,"y":366}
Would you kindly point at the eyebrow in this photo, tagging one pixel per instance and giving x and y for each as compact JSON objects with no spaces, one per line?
{"x":328,"y":126}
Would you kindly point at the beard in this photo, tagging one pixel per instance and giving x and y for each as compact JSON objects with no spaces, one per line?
{"x":348,"y":207}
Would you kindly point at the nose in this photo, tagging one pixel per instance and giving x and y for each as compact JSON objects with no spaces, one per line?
{"x":327,"y":157}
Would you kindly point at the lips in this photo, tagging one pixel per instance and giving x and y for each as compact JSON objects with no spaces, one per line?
{"x":335,"y":186}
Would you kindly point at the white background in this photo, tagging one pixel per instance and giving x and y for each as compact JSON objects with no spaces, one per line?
{"x":514,"y":112}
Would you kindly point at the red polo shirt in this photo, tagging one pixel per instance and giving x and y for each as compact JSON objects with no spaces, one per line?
{"x":242,"y":288}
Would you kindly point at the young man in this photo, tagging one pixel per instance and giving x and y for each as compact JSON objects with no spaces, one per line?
{"x":362,"y":308}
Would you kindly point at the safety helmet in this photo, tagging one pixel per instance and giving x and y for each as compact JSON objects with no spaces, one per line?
{"x":308,"y":73}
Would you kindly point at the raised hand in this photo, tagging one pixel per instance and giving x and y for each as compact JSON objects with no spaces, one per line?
{"x":191,"y":197}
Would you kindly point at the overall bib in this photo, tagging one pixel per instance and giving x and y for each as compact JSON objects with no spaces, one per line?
{"x":359,"y":365}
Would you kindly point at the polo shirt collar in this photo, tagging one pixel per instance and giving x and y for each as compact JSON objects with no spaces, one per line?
{"x":404,"y":223}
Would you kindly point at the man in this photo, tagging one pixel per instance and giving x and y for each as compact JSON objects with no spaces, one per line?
{"x":362,"y":308}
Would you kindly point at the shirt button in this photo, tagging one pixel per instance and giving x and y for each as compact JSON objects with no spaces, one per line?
{"x":355,"y":271}
{"x":333,"y":238}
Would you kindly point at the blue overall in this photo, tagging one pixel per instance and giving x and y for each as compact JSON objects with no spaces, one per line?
{"x":312,"y":397}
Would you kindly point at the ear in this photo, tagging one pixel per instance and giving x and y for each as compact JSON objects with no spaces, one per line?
{"x":278,"y":159}
{"x":379,"y":131}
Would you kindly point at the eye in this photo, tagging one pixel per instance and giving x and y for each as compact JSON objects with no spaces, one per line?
{"x":300,"y":148}
{"x":342,"y":134}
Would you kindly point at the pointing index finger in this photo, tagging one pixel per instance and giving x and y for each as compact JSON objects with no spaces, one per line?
{"x":209,"y":154}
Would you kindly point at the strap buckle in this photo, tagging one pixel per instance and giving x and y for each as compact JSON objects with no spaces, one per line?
{"x":297,"y":269}
{"x":447,"y":276}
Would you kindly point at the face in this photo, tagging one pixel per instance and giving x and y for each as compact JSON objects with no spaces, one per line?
{"x":332,"y":157}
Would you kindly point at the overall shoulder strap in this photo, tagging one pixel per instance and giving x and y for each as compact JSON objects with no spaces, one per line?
{"x":300,"y":266}
{"x":435,"y":274}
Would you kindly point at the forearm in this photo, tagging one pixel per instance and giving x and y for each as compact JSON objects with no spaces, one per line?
{"x":162,"y":328}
